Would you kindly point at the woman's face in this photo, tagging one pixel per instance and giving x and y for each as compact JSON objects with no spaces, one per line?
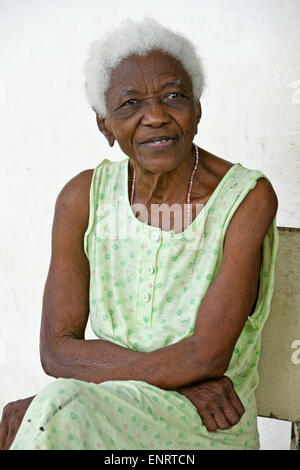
{"x":151,"y":111}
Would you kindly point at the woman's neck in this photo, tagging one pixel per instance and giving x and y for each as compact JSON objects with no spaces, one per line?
{"x":168,"y":187}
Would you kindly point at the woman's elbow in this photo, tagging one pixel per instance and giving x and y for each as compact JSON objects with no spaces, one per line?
{"x":48,"y":359}
{"x":46,"y":364}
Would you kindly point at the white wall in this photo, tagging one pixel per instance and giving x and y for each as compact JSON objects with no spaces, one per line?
{"x":48,"y":133}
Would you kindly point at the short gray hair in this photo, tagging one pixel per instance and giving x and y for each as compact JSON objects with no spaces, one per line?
{"x":136,"y":37}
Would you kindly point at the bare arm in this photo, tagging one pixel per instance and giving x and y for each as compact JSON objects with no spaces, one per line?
{"x":220,"y":320}
{"x":226,"y":306}
{"x":63,"y":349}
{"x":186,"y":366}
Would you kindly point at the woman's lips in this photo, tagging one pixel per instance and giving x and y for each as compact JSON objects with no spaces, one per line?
{"x":159,"y":143}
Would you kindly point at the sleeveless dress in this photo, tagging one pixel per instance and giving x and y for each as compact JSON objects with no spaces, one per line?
{"x":146,"y":287}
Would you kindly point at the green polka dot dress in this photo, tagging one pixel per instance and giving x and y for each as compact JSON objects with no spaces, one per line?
{"x":146,"y":286}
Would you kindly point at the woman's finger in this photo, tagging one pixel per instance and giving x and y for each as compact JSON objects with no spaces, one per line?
{"x":232,"y":416}
{"x":221,"y":419}
{"x":209,"y":421}
{"x":236,"y":402}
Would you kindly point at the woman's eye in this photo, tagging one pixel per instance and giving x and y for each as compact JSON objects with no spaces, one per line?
{"x":174,"y":95}
{"x":130,"y":102}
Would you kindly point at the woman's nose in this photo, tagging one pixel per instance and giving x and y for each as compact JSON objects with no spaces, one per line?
{"x":155,"y":114}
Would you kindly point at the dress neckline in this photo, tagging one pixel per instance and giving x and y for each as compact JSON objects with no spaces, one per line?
{"x":172,"y":233}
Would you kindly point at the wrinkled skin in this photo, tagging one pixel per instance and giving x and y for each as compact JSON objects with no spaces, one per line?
{"x":217,"y":403}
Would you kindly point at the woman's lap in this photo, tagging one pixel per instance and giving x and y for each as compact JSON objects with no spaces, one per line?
{"x":71,"y":414}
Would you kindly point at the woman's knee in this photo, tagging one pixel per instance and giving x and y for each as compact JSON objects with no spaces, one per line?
{"x":59,"y":389}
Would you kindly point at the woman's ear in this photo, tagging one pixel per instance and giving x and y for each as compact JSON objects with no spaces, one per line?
{"x":102,"y":126}
{"x":199,"y":111}
{"x":198,"y":115}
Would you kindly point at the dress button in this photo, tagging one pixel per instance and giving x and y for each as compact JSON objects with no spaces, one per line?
{"x":146,"y":297}
{"x":155,"y":236}
{"x":150,"y":269}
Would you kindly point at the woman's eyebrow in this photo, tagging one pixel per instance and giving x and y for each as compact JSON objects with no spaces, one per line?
{"x":127,"y":92}
{"x":124,"y":92}
{"x":170,"y":84}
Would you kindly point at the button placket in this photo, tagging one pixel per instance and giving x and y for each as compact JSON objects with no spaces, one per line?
{"x":146,"y":297}
{"x":148,"y":271}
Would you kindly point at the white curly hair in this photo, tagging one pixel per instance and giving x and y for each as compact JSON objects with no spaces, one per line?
{"x":136,"y":37}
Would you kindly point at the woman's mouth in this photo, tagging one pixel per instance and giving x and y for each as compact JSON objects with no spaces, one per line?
{"x":159,"y":142}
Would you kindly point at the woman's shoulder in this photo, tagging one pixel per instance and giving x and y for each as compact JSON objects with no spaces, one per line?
{"x":210,"y":173}
{"x":77,"y":190}
{"x":75,"y":194}
{"x":215,"y":167}
{"x":73,"y":198}
{"x":77,"y":186}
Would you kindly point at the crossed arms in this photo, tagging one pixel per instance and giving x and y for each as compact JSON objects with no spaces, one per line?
{"x":195,"y":367}
{"x":204,"y":355}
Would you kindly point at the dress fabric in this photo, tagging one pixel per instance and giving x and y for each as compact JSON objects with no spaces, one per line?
{"x":146,"y":287}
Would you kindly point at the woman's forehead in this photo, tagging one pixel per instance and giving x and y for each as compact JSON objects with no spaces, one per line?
{"x":156,"y":67}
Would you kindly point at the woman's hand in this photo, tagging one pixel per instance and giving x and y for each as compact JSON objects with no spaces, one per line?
{"x":12,"y":416}
{"x":217,"y":403}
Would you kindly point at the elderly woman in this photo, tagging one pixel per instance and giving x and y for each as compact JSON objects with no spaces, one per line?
{"x":178,"y":303}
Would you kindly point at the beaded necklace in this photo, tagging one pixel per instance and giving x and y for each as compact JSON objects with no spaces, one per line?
{"x":189,"y":190}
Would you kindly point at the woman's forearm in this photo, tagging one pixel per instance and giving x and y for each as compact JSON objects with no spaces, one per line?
{"x":171,"y":367}
{"x":87,"y":360}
